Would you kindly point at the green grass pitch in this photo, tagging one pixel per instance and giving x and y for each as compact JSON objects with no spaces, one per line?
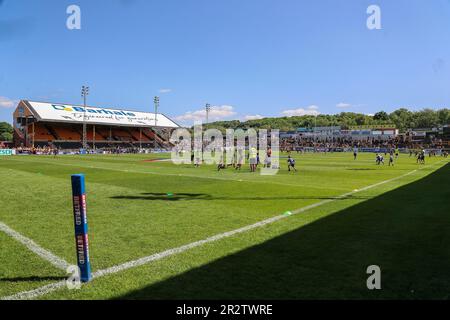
{"x":403,"y":226}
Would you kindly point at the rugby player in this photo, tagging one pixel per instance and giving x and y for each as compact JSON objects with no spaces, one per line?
{"x":291,"y":164}
{"x":391,"y":159}
{"x":253,"y":157}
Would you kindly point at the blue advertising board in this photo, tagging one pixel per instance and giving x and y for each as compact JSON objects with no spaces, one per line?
{"x":6,"y":152}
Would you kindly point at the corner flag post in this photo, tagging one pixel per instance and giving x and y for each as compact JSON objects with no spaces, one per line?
{"x":81,"y":226}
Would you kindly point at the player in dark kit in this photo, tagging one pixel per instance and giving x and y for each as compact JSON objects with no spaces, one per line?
{"x":391,"y":159}
{"x":421,"y":158}
{"x":380,"y":159}
{"x":221,"y":164}
{"x":291,"y":164}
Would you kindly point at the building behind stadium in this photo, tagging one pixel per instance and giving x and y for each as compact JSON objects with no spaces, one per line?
{"x":379,"y":132}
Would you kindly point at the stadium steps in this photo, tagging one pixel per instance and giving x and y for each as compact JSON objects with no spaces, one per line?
{"x":134,"y":138}
{"x":161,"y":141}
{"x":52,"y":132}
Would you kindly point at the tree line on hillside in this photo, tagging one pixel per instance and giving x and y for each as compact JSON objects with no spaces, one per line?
{"x":402,"y":118}
{"x":6,"y":131}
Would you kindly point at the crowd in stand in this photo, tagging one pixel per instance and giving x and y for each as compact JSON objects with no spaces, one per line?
{"x":298,"y":143}
{"x":43,"y":150}
{"x":54,"y":150}
{"x":3,"y":145}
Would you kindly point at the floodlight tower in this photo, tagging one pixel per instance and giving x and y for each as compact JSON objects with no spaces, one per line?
{"x":316,"y":132}
{"x":315,"y":127}
{"x":156,"y":102}
{"x":208,"y":110}
{"x":84,"y":94}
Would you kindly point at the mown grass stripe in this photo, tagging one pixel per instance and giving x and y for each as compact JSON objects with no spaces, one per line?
{"x":309,"y":185}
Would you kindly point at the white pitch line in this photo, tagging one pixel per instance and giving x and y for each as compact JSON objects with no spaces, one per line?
{"x":34,"y":247}
{"x":41,"y":291}
{"x":158,"y":256}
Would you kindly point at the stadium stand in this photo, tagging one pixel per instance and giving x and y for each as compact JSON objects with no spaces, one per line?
{"x":41,"y":124}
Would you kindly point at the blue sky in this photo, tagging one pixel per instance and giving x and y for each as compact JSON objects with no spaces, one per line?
{"x":246,"y":58}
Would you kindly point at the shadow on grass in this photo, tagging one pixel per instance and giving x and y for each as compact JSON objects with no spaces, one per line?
{"x":195,"y":196}
{"x":406,"y":232}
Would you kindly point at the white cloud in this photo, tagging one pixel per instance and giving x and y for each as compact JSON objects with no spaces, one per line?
{"x":308,"y":111}
{"x":7,"y":103}
{"x":217,"y":113}
{"x":165,"y":90}
{"x":255,"y":117}
{"x":344,"y":105}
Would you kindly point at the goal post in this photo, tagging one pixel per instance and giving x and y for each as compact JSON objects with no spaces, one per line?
{"x":81,"y":226}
